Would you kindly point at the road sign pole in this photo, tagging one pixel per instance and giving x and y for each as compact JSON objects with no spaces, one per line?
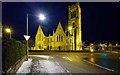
{"x":27,"y":40}
{"x":27,"y":52}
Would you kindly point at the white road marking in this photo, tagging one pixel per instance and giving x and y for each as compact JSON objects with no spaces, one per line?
{"x":99,"y":66}
{"x":67,"y":58}
{"x":68,"y":71}
{"x":64,"y":68}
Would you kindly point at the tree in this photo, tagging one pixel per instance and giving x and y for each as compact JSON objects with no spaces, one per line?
{"x":31,"y":43}
{"x":84,"y":45}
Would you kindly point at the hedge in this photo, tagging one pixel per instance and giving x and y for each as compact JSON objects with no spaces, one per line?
{"x":12,"y":51}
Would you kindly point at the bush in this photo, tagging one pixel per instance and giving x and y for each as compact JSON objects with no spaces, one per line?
{"x":12,"y":51}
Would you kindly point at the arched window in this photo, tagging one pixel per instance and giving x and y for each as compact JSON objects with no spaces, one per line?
{"x":51,"y":40}
{"x":70,"y":40}
{"x":73,"y":24}
{"x":57,"y":38}
{"x":61,"y":38}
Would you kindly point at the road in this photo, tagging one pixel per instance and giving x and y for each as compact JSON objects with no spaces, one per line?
{"x":68,"y":63}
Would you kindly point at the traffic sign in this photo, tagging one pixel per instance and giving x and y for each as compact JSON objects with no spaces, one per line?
{"x":26,"y":37}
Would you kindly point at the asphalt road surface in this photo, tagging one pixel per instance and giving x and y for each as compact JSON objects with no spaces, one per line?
{"x":67,"y":63}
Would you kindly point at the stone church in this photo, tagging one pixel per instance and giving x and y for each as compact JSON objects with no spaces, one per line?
{"x":69,"y":39}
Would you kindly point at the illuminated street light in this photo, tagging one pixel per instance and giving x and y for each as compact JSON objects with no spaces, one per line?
{"x":41,"y":17}
{"x":92,"y":47}
{"x":92,"y":44}
{"x":116,"y":44}
{"x":92,"y":50}
{"x":8,"y":30}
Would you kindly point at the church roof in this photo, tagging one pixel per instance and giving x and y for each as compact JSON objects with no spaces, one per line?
{"x":46,"y":32}
{"x":59,"y":27}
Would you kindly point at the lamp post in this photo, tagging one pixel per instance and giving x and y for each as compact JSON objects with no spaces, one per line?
{"x":41,"y":17}
{"x":8,"y":30}
{"x":27,"y":37}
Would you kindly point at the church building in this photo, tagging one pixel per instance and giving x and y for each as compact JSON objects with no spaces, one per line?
{"x":69,"y":39}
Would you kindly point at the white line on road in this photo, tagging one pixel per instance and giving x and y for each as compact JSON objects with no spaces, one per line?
{"x":67,"y":58}
{"x":63,"y":68}
{"x":98,"y":65}
{"x":68,"y":71}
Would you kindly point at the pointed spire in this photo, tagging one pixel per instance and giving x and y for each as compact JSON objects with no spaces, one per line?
{"x":59,"y":28}
{"x":53,"y":31}
{"x":78,"y":4}
{"x":39,"y":30}
{"x":39,"y":27}
{"x":59,"y":25}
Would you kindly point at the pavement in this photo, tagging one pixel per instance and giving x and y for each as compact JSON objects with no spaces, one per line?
{"x":58,"y":64}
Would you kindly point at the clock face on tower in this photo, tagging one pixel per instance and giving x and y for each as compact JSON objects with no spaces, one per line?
{"x":73,"y":14}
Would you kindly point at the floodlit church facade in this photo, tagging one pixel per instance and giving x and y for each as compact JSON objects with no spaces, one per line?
{"x":69,"y":39}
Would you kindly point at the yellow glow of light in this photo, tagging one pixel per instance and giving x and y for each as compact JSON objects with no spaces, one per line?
{"x":91,"y":50}
{"x":70,"y":28}
{"x":92,"y":44}
{"x":92,"y":59}
{"x":8,"y":30}
{"x":92,"y":54}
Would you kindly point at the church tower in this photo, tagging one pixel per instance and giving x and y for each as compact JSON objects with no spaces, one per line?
{"x":74,"y":26}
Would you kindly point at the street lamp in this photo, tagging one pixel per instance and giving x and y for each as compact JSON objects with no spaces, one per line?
{"x":8,"y":30}
{"x":41,"y":17}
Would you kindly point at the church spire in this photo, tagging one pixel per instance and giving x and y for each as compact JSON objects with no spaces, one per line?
{"x":39,"y":31}
{"x":59,"y":28}
{"x":53,"y":31}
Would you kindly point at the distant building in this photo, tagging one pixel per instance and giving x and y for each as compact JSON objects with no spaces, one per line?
{"x":92,"y":47}
{"x":59,"y":40}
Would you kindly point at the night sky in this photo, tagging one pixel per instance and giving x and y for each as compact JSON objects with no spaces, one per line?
{"x":99,"y":20}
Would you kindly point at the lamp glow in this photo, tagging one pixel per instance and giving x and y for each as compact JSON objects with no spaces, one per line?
{"x":70,"y":28}
{"x":42,"y":17}
{"x":8,"y":30}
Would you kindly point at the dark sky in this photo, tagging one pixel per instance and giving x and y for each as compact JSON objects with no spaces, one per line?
{"x":99,"y":20}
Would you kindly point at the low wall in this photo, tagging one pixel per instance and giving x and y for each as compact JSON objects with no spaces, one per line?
{"x":13,"y":69}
